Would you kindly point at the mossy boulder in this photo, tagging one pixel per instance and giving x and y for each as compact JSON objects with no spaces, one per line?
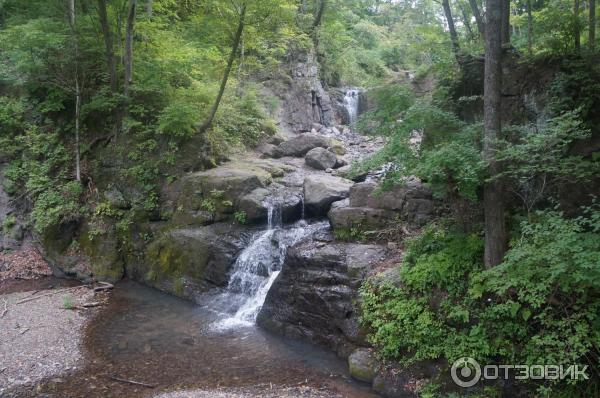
{"x":363,"y":365}
{"x":190,"y":260}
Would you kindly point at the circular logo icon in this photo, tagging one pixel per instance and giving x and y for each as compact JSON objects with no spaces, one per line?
{"x":466,"y":372}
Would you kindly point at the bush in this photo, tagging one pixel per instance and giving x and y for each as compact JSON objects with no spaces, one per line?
{"x":540,"y":306}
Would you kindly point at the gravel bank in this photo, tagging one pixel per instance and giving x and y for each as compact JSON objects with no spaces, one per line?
{"x":40,"y":338}
{"x":291,"y":392}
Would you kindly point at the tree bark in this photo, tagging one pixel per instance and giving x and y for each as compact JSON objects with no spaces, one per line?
{"x":149,"y":4}
{"x":495,"y":228}
{"x":128,"y":59}
{"x":478,"y":17}
{"x":505,"y":23}
{"x":234,"y":50}
{"x":592,"y":27}
{"x":576,"y":28}
{"x":452,"y":29}
{"x":530,"y":28}
{"x":108,"y":44}
{"x":77,"y":90}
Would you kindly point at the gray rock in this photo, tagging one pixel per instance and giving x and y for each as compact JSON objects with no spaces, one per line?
{"x":253,"y":204}
{"x":363,"y":365}
{"x":315,"y":294}
{"x":320,"y":159}
{"x":320,"y":191}
{"x":365,"y":218}
{"x":300,"y":145}
{"x":267,"y":150}
{"x":116,"y":198}
{"x":202,"y":257}
{"x":276,"y":139}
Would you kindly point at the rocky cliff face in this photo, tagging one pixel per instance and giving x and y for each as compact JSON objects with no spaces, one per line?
{"x":314,"y":297}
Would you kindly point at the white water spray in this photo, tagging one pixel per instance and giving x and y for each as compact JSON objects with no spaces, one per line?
{"x":351,"y":105}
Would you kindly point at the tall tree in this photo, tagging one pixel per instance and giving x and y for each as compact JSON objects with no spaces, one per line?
{"x":478,"y":17}
{"x":234,"y":50}
{"x":530,"y":28}
{"x":108,"y":44}
{"x":71,"y":7}
{"x":576,"y":27}
{"x":592,"y":23}
{"x":128,"y":58}
{"x":495,"y":228}
{"x":504,"y":23}
{"x":451,"y":29}
{"x":466,"y":21}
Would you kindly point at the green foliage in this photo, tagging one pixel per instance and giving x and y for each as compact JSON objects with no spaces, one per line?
{"x":240,"y":217}
{"x":353,"y":234}
{"x":68,"y":302}
{"x":539,"y":306}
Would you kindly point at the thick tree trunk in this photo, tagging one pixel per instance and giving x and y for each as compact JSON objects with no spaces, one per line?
{"x":77,"y":90}
{"x":505,"y":23}
{"x":592,"y":27}
{"x":576,"y":28}
{"x":478,"y":17}
{"x":234,"y":50}
{"x":530,"y":28}
{"x":452,"y":29}
{"x":128,"y":59}
{"x":108,"y":44}
{"x":495,"y":228}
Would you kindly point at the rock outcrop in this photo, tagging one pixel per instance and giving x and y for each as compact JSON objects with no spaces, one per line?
{"x":190,"y":260}
{"x":369,"y":209}
{"x":315,"y":294}
{"x":321,"y":159}
{"x":320,"y":191}
{"x":300,"y":145}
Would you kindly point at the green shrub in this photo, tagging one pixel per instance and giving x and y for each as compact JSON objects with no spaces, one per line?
{"x":540,"y":306}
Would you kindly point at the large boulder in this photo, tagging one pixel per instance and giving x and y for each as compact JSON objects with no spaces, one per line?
{"x":321,"y":159}
{"x":300,"y":145}
{"x":256,"y":204}
{"x":363,"y":365}
{"x":213,"y":195}
{"x":370,"y":207}
{"x":190,"y":260}
{"x":314,"y":297}
{"x":365,"y":218}
{"x":320,"y":191}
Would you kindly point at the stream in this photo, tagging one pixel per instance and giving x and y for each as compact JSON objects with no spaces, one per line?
{"x":154,"y":338}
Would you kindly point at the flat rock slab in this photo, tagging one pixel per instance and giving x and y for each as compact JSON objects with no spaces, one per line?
{"x":40,"y":338}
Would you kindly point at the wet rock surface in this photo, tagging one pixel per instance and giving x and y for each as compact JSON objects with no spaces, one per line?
{"x":314,"y":296}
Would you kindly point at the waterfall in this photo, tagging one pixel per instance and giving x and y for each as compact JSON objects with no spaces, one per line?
{"x":256,"y":269}
{"x":351,"y":105}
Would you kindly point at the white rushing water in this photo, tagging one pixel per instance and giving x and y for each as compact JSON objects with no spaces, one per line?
{"x":257,"y":268}
{"x":351,"y":105}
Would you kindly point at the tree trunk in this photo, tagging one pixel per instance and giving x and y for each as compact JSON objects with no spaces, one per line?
{"x":592,"y":28}
{"x":108,"y":44}
{"x":319,"y":15}
{"x":466,"y":21}
{"x":149,"y":4}
{"x":495,"y":229}
{"x":505,"y":23}
{"x":576,"y":28}
{"x":77,"y":90}
{"x":234,"y":50}
{"x":478,"y":17}
{"x":452,"y":29}
{"x":530,"y":28}
{"x":128,"y":60}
